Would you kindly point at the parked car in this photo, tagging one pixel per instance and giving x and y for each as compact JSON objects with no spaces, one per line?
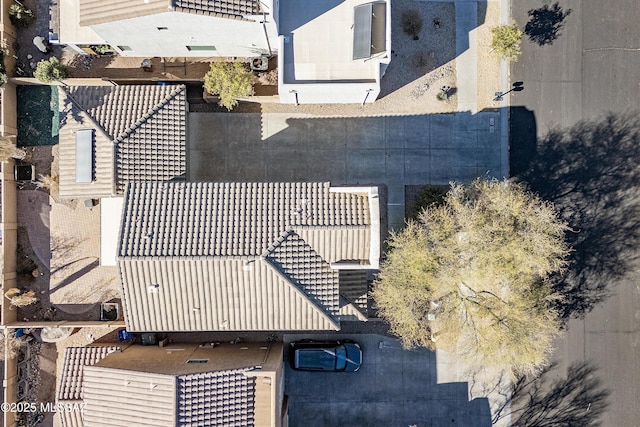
{"x":330,"y":356}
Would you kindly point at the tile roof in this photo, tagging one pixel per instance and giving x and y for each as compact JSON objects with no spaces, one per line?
{"x":215,"y":293}
{"x":233,"y":256}
{"x":304,"y":267}
{"x":72,"y":418}
{"x":234,"y":9}
{"x":94,"y":12}
{"x":72,"y":119}
{"x":75,"y":361}
{"x":233,"y":219}
{"x":123,"y":398}
{"x":100,"y":11}
{"x":224,"y":398}
{"x":146,"y":129}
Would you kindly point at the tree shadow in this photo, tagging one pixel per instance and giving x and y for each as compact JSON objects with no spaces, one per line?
{"x":545,"y":24}
{"x":590,"y":172}
{"x":578,"y":399}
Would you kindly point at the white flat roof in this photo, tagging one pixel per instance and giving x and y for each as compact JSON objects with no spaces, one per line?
{"x":110,"y":215}
{"x":70,"y":31}
{"x":320,"y":41}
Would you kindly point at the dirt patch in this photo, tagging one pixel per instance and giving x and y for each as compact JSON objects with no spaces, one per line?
{"x":32,"y":275}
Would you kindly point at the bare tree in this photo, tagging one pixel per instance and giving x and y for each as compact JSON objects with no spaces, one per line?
{"x":470,"y":277}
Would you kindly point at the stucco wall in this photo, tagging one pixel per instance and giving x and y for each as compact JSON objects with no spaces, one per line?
{"x":230,"y":37}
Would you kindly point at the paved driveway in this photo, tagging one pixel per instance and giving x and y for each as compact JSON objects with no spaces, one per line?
{"x":394,"y":387}
{"x":389,"y":150}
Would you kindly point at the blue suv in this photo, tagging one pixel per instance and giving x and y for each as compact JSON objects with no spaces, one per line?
{"x":329,"y":356}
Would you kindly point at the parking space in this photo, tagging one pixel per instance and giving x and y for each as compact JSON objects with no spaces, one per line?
{"x":394,"y":387}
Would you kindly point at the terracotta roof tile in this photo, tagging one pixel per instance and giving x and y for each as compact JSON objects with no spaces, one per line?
{"x":140,"y":135}
{"x":75,"y":359}
{"x":224,"y":398}
{"x":94,"y":12}
{"x":216,"y":256}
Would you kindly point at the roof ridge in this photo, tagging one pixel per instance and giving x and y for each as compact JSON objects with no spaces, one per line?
{"x":334,"y":319}
{"x":153,"y":111}
{"x":296,"y":283}
{"x":85,"y":113}
{"x":348,"y":301}
{"x":331,"y":226}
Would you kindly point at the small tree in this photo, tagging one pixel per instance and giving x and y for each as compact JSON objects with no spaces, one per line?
{"x":506,"y":41}
{"x":8,"y":150}
{"x":50,"y":70}
{"x":19,"y":298}
{"x":20,"y":16}
{"x":229,"y":80}
{"x":470,"y":277}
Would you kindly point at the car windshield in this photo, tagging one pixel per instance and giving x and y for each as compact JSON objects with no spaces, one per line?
{"x":341,"y":358}
{"x":317,"y":358}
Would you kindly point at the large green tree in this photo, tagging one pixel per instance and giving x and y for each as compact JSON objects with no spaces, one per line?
{"x":470,"y":276}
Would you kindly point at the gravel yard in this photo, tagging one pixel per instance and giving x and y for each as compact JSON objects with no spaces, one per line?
{"x":418,"y":69}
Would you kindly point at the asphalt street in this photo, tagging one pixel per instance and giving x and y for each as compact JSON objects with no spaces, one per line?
{"x":590,"y":70}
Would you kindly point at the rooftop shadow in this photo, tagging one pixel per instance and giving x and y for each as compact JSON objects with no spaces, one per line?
{"x":590,"y":172}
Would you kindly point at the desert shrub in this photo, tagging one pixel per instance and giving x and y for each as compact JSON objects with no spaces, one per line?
{"x":269,"y":78}
{"x":20,"y":16}
{"x":50,"y":70}
{"x":506,"y":41}
{"x":19,"y":298}
{"x":411,"y":22}
{"x":8,"y":149}
{"x":102,"y":49}
{"x":10,"y":350}
{"x":51,"y":183}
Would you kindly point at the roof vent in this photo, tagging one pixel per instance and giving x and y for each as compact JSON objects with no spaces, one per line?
{"x":153,"y":289}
